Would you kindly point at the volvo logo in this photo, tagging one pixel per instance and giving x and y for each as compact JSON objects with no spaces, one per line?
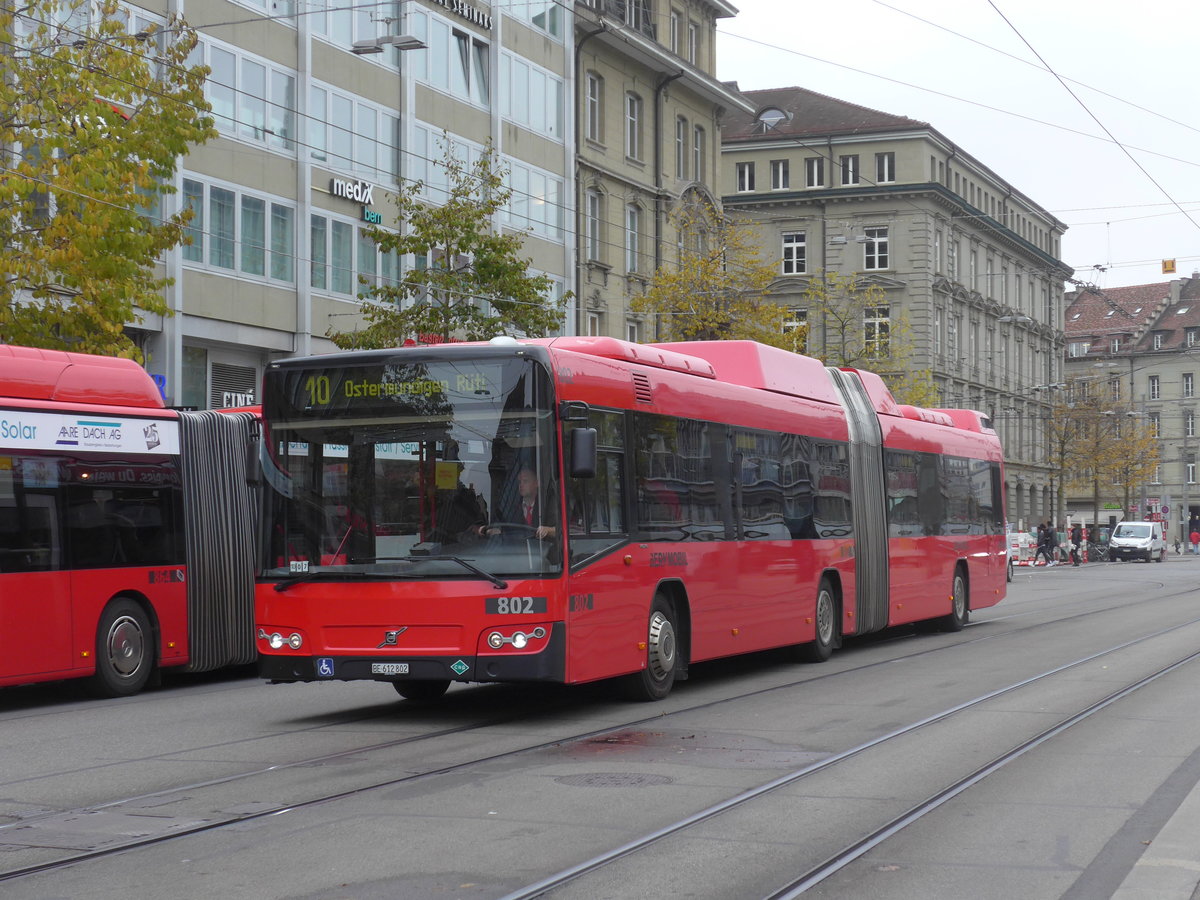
{"x":390,"y":637}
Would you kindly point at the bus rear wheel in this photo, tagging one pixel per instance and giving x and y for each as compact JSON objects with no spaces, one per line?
{"x":422,"y":691}
{"x":662,"y":655}
{"x":124,"y":650}
{"x":826,"y":614}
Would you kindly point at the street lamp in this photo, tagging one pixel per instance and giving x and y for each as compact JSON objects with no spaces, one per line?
{"x":399,"y":41}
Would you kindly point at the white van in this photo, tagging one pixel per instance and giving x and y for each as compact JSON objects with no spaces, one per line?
{"x":1137,"y":540}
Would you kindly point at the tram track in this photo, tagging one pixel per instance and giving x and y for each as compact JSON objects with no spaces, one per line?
{"x":557,"y":741}
{"x":853,"y":851}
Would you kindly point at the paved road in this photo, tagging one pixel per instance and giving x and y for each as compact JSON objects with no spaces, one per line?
{"x":343,"y":791}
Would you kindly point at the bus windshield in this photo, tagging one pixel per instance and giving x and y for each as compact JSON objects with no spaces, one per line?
{"x":387,"y":469}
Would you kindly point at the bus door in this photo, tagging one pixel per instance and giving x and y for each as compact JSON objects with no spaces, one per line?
{"x":35,"y":592}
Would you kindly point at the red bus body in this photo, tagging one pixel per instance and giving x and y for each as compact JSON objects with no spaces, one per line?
{"x":890,"y":532}
{"x":94,"y":574}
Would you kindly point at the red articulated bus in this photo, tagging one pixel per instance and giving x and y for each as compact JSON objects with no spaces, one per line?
{"x":126,"y":529}
{"x":583,"y":508}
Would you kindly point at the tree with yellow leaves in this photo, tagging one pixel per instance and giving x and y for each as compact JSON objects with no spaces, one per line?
{"x":851,"y":323}
{"x":1101,"y":446}
{"x":718,"y":291}
{"x":93,"y":120}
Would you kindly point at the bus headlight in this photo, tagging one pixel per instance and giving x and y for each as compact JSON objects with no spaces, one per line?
{"x":277,"y":641}
{"x":518,"y":639}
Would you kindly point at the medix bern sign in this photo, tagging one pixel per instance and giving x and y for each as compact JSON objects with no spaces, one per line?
{"x":358,"y":191}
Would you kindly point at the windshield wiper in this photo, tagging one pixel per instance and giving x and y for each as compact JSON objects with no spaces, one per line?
{"x":282,"y":586}
{"x":497,"y":582}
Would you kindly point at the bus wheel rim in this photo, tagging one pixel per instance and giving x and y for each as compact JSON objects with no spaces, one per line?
{"x":825,"y":617}
{"x":960,"y":596}
{"x":661,"y":650}
{"x":126,"y":646}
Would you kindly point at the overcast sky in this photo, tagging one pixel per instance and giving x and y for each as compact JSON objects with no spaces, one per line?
{"x":1132,"y":65}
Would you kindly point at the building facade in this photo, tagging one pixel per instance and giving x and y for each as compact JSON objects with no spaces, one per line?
{"x":649,"y":118}
{"x":1139,"y":346}
{"x":970,"y":263}
{"x":322,"y":111}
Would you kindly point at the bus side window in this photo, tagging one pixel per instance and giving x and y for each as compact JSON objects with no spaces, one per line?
{"x":596,"y":506}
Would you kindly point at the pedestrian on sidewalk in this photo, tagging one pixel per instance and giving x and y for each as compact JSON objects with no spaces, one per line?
{"x":1045,"y":544}
{"x":1076,"y":543}
{"x":1194,"y":538}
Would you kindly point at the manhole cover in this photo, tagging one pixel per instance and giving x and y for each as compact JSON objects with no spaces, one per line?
{"x":613,"y":779}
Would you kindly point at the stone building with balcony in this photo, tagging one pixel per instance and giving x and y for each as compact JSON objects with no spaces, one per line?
{"x":969,"y":261}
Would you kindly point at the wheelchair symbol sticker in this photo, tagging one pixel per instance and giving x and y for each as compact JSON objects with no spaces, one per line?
{"x":325,"y":667}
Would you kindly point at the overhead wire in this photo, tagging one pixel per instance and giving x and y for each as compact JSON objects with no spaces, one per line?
{"x":1094,"y":117}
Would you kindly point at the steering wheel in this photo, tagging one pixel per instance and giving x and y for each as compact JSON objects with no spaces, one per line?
{"x":517,"y":527}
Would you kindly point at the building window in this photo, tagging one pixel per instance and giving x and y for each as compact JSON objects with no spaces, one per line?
{"x":633,"y":126}
{"x":1158,"y":340}
{"x":1078,"y":348}
{"x":1190,"y":470}
{"x":1155,"y":422}
{"x":240,"y":232}
{"x":531,"y":96}
{"x":814,"y":172}
{"x":1189,"y":385}
{"x":876,"y":330}
{"x":693,"y":45}
{"x":336,"y":140}
{"x":885,"y":167}
{"x":875,"y":249}
{"x":593,"y":325}
{"x":1155,"y":391}
{"x":544,"y":15}
{"x":536,"y":202}
{"x":595,"y":108}
{"x":698,"y":171}
{"x":632,"y":332}
{"x":637,"y":14}
{"x":1193,"y":337}
{"x":681,"y":147}
{"x":633,"y":234}
{"x":796,"y":324}
{"x":1157,"y":479}
{"x":745,"y":177}
{"x":673,"y":33}
{"x":849,"y":167}
{"x":1115,"y":345}
{"x":1189,"y":423}
{"x":794,"y":262}
{"x":779,"y":175}
{"x":250,"y":99}
{"x":937,"y":251}
{"x":593,"y":218}
{"x":341,"y":253}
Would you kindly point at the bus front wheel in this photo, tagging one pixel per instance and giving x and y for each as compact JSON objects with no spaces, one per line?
{"x":662,"y":655}
{"x":124,"y":650}
{"x":958,"y":604}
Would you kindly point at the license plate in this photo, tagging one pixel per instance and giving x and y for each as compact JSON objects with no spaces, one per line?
{"x":389,"y":668}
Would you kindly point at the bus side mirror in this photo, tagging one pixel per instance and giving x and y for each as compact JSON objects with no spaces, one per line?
{"x":583,"y":453}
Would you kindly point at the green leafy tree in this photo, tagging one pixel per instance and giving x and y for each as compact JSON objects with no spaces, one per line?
{"x":719,"y":289}
{"x":93,"y":120}
{"x":851,"y":323}
{"x":474,"y":283}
